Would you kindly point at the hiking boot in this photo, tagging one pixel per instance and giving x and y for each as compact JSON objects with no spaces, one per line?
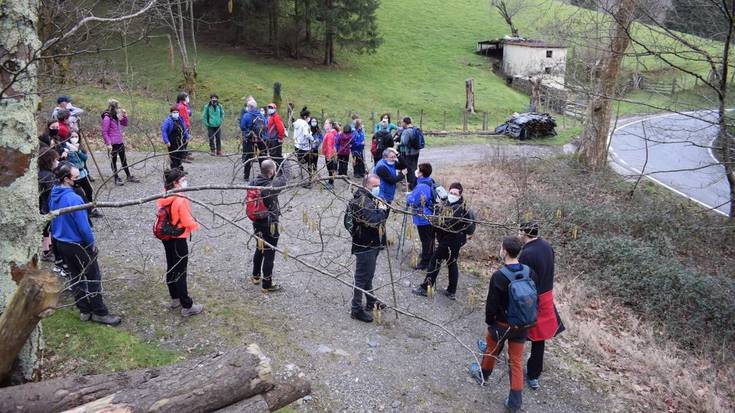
{"x":109,"y":319}
{"x":47,"y":256}
{"x":133,"y":180}
{"x":118,"y":181}
{"x":212,"y":152}
{"x":533,"y":384}
{"x":255,"y":279}
{"x":219,"y":153}
{"x":193,"y":310}
{"x":450,"y":296}
{"x":272,"y":289}
{"x":476,"y":373}
{"x":175,"y":303}
{"x":362,"y":315}
{"x":189,"y":156}
{"x":85,"y":316}
{"x":420,"y":267}
{"x":420,"y":291}
{"x":61,"y":271}
{"x":509,"y":408}
{"x":96,"y":213}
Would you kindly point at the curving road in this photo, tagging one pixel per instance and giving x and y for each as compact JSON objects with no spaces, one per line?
{"x":674,"y":150}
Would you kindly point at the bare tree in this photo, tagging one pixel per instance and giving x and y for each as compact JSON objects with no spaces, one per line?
{"x":173,"y":14}
{"x":508,"y":9}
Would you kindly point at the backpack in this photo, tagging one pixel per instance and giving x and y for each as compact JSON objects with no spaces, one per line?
{"x":163,"y":228}
{"x":374,"y":146}
{"x":471,"y":224}
{"x":255,"y":207}
{"x":257,"y":129}
{"x":522,"y":298}
{"x":418,"y":141}
{"x":348,"y":219}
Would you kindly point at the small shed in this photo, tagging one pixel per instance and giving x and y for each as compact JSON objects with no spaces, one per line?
{"x":527,"y":57}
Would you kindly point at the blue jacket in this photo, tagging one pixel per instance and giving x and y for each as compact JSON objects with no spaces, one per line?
{"x":388,"y":180}
{"x":167,"y":128}
{"x":358,"y":141}
{"x":420,"y":200}
{"x":246,"y":121}
{"x":318,"y":138}
{"x":73,"y":227}
{"x":78,"y":158}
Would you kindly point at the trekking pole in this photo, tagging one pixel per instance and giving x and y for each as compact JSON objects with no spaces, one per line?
{"x":94,"y":160}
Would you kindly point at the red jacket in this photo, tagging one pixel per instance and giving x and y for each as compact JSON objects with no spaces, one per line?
{"x":328,"y":145}
{"x":180,"y":213}
{"x":64,"y":130}
{"x":185,"y":114}
{"x":275,"y":127}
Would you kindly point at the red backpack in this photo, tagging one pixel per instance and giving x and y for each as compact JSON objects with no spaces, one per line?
{"x":255,"y":207}
{"x":163,"y":228}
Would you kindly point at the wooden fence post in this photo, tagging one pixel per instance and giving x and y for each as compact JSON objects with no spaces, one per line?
{"x":323,"y":117}
{"x":464,"y":121}
{"x":484,"y":121}
{"x":398,"y":116}
{"x":421,"y":119}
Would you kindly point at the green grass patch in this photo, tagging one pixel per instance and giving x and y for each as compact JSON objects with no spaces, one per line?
{"x":94,"y":348}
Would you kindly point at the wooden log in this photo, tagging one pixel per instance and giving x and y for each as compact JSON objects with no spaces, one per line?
{"x":217,"y":380}
{"x":255,"y":404}
{"x":36,"y":298}
{"x":278,"y":397}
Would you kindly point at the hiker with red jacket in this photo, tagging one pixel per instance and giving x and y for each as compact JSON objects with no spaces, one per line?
{"x":276,"y":134}
{"x":182,"y":101}
{"x":344,"y":148}
{"x":538,"y":254}
{"x":329,"y":150}
{"x":177,"y":248}
{"x":265,"y":220}
{"x":499,"y":320}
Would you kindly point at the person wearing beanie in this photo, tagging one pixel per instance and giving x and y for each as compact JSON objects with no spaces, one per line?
{"x":175,"y":133}
{"x":76,"y":245}
{"x":213,"y":116}
{"x":177,"y":248}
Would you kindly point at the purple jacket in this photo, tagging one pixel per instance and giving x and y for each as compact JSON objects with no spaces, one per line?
{"x":112,"y":130}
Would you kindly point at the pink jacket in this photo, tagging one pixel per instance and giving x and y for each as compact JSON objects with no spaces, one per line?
{"x":112,"y":130}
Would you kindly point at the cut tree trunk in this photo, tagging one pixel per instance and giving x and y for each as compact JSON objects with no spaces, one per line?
{"x":469,"y":86}
{"x":278,"y":397}
{"x":594,"y":144}
{"x":202,"y":384}
{"x":35,"y":298}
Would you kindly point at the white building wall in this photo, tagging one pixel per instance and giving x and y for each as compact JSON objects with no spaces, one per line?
{"x":528,"y":61}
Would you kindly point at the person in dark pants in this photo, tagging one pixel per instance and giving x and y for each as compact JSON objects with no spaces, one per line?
{"x":389,"y":174}
{"x":75,"y":244}
{"x":316,"y":141}
{"x":175,"y":133}
{"x":450,"y":222}
{"x":329,"y":149}
{"x":177,"y":249}
{"x":267,"y":229}
{"x":369,"y":214}
{"x":213,"y":116}
{"x":499,"y":332}
{"x":276,"y":134}
{"x":182,"y":101}
{"x":344,"y":148}
{"x":358,"y":149}
{"x":48,"y":160}
{"x":114,"y":119}
{"x":421,"y":199}
{"x":253,"y":128}
{"x":409,"y":150}
{"x":538,"y":254}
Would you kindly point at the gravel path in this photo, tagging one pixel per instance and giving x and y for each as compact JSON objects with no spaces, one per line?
{"x":404,"y":365}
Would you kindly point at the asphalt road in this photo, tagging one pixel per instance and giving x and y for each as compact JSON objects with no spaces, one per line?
{"x":674,"y":151}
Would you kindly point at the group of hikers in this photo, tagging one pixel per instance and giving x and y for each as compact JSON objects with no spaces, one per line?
{"x":519,"y":305}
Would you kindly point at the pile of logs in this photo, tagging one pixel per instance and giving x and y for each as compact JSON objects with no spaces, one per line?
{"x":237,"y":381}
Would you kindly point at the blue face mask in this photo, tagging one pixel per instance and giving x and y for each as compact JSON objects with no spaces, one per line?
{"x":391,"y":163}
{"x":375,"y":191}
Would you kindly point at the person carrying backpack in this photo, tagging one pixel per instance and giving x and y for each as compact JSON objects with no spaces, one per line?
{"x":213,"y":116}
{"x":253,"y":128}
{"x":178,"y":212}
{"x":265,"y":222}
{"x":382,"y":139}
{"x":276,"y":134}
{"x":452,"y":225}
{"x":174,"y":133}
{"x":422,"y":199}
{"x":412,"y":142}
{"x":509,"y":312}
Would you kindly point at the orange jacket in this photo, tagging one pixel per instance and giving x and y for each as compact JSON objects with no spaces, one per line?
{"x":180,"y":213}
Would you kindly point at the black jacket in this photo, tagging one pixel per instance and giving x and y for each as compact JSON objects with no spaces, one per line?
{"x":368,"y":222}
{"x":46,"y":181}
{"x":539,"y":255}
{"x":450,"y":222}
{"x":270,"y":194}
{"x":497,"y":295}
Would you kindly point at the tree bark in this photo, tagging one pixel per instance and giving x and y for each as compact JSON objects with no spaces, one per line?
{"x":202,"y":384}
{"x":328,"y":33}
{"x":725,"y":136}
{"x":19,"y":219}
{"x":594,"y":144}
{"x":279,"y":397}
{"x":469,"y":86}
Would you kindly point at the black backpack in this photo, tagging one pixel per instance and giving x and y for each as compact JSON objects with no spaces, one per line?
{"x":258,"y":128}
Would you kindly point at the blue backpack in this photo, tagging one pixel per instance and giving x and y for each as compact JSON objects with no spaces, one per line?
{"x":522,"y":298}
{"x":418,"y":141}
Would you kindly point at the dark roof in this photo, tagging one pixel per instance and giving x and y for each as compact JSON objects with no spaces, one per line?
{"x":523,"y":42}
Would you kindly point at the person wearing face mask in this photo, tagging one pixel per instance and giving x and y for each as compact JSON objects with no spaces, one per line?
{"x":329,"y":150}
{"x":177,"y":248}
{"x":254,"y":134}
{"x":48,"y":160}
{"x":114,"y":119}
{"x":316,"y":140}
{"x":451,"y":222}
{"x":77,"y":157}
{"x":76,"y":245}
{"x":358,"y":149}
{"x":302,"y":138}
{"x":389,"y":174}
{"x":266,"y":229}
{"x":276,"y":133}
{"x":213,"y":115}
{"x":175,"y":133}
{"x":385,"y":124}
{"x":422,"y":199}
{"x":182,"y":101}
{"x":369,"y":214}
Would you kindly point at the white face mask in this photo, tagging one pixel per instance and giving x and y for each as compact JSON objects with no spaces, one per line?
{"x":175,"y":115}
{"x":375,"y":191}
{"x":313,"y":124}
{"x":453,"y":198}
{"x":271,"y":111}
{"x":55,"y":165}
{"x":187,"y":99}
{"x":184,"y":184}
{"x":74,"y":140}
{"x":262,"y":112}
{"x":391,"y":163}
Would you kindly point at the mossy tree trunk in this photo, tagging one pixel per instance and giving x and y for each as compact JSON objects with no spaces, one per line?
{"x":19,"y":218}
